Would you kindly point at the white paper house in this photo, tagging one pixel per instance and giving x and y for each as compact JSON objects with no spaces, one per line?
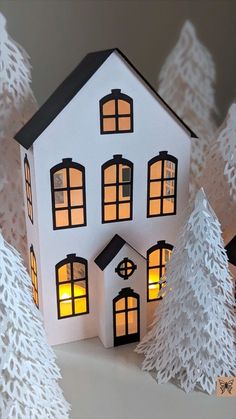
{"x":104,"y":156}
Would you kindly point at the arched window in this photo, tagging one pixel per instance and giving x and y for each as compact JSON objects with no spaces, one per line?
{"x":34,"y":276}
{"x":68,"y":195}
{"x":126,"y":317}
{"x":28,"y":188}
{"x":72,"y":286}
{"x":162,"y":185}
{"x":117,"y":190}
{"x":157,"y":257}
{"x":116,"y":113}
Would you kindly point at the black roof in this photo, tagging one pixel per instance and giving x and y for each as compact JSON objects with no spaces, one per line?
{"x":68,"y":89}
{"x":231,"y":251}
{"x":110,"y":251}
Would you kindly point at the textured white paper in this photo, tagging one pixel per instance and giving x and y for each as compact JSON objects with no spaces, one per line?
{"x":192,"y":337}
{"x":28,"y":373}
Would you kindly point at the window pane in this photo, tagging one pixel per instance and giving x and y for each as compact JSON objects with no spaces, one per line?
{"x":80,"y":305}
{"x":132,"y":322}
{"x":124,"y":211}
{"x":123,"y":107}
{"x":76,"y":197}
{"x":110,"y":174}
{"x":124,"y":123}
{"x":169,"y":169}
{"x":155,"y":189}
{"x":64,"y":273}
{"x":110,"y":212}
{"x":168,"y":187}
{"x":109,"y":108}
{"x":109,"y":124}
{"x":79,"y":288}
{"x":60,"y":179}
{"x":110,"y":194}
{"x":77,"y":216}
{"x":154,"y":258}
{"x":120,"y":304}
{"x":155,"y":170}
{"x":60,"y":199}
{"x":168,"y":205}
{"x":78,"y":270}
{"x":65,"y":308}
{"x":124,"y":192}
{"x":132,"y":302}
{"x":153,"y":275}
{"x":64,"y":291}
{"x":120,"y":324}
{"x":124,"y":173}
{"x":166,"y":254}
{"x":75,"y":178}
{"x":62,"y":219}
{"x":153,"y":291}
{"x":154,"y":207}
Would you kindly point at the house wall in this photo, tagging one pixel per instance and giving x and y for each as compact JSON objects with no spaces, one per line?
{"x":113,"y":284}
{"x":75,"y":133}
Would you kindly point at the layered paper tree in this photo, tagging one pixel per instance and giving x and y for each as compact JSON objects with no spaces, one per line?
{"x":186,"y":83}
{"x":192,"y":337}
{"x":219,"y":175}
{"x":28,"y":374}
{"x":17,"y":105}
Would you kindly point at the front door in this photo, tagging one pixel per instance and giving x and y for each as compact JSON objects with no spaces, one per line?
{"x":126,"y":317}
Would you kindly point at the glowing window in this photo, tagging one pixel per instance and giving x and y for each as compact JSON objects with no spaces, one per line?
{"x":157,"y":257}
{"x":117,"y":190}
{"x":28,"y":189}
{"x":125,"y":268}
{"x":116,"y":113}
{"x":126,"y":321}
{"x":72,"y":286}
{"x":162,"y":185}
{"x":68,"y":195}
{"x":34,"y":276}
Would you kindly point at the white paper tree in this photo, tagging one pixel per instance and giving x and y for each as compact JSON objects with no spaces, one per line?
{"x":186,"y":83}
{"x":17,"y":104}
{"x":219,"y":175}
{"x":28,"y":374}
{"x":192,"y":338}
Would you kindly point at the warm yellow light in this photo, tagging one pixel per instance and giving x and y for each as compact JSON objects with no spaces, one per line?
{"x":153,"y":287}
{"x":65,"y":297}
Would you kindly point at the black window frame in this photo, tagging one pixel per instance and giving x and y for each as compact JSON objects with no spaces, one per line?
{"x":116,"y":95}
{"x":117,"y":160}
{"x":127,"y":338}
{"x":163,"y":157}
{"x":126,"y":271}
{"x":70,"y":259}
{"x":34,"y":276}
{"x":28,"y":189}
{"x":160,"y":245}
{"x":68,"y":164}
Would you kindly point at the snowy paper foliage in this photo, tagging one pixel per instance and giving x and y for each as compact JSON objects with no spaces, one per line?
{"x":219,"y":175}
{"x":17,"y":105}
{"x":186,"y":83}
{"x":191,"y":339}
{"x":28,"y":373}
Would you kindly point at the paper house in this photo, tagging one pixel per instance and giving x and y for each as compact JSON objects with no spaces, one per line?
{"x":106,"y":173}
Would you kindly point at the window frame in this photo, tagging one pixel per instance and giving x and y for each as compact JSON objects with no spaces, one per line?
{"x":116,"y":95}
{"x":117,"y":160}
{"x":160,"y":245}
{"x":28,"y":189}
{"x":68,"y":164}
{"x":127,"y":271}
{"x":132,"y":337}
{"x":34,"y":276}
{"x":163,"y":156}
{"x":70,"y":259}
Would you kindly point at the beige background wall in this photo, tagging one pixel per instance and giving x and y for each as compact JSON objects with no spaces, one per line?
{"x":58,"y":33}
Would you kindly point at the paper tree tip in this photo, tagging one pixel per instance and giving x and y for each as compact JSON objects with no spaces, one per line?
{"x":3,"y":21}
{"x":188,"y":27}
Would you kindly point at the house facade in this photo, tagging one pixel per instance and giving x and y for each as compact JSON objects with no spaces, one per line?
{"x":104,"y":156}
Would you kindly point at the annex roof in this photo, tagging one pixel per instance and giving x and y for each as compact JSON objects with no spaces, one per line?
{"x":110,"y":251}
{"x":69,"y":88}
{"x":231,"y":251}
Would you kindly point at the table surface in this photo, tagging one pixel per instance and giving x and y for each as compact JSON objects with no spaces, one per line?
{"x":109,"y":384}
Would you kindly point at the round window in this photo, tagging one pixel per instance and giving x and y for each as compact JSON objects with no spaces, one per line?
{"x":125,"y":268}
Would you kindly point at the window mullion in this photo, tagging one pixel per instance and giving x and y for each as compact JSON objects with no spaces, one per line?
{"x":117,"y":192}
{"x":72,"y":286}
{"x":68,"y":195}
